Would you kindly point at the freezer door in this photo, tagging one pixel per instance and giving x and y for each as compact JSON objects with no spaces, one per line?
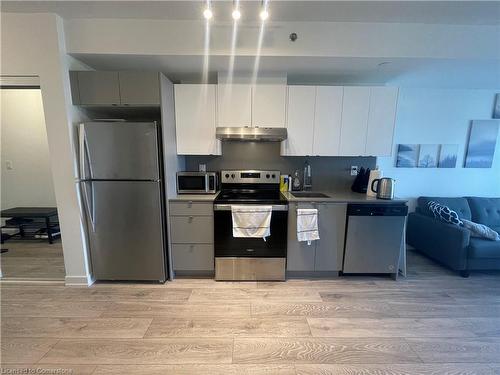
{"x":119,"y":151}
{"x":125,"y":230}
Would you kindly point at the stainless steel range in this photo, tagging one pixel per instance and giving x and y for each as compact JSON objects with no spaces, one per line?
{"x":239,"y":258}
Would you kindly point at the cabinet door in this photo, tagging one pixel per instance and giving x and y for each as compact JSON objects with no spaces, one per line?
{"x":195,"y":120}
{"x":327,"y":120}
{"x":139,"y":88}
{"x":381,"y":118}
{"x":193,"y":257}
{"x":269,"y":105}
{"x":330,"y":247}
{"x":234,"y":106}
{"x":99,"y":88}
{"x":300,"y":256}
{"x":300,"y":121}
{"x":354,"y":121}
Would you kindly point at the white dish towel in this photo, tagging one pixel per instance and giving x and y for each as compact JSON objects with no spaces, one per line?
{"x":307,"y":225}
{"x":251,"y":221}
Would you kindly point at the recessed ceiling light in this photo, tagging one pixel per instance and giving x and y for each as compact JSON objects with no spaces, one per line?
{"x":207,"y":13}
{"x":264,"y":14}
{"x":236,"y":14}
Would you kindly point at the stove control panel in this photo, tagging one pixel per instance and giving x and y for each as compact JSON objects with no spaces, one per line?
{"x":250,"y":177}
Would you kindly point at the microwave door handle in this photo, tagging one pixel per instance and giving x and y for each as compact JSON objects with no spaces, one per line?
{"x":207,"y":183}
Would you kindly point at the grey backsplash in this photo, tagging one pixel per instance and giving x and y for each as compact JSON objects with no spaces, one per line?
{"x":329,"y":173}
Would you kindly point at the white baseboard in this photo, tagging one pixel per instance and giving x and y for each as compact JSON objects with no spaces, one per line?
{"x":78,"y":281}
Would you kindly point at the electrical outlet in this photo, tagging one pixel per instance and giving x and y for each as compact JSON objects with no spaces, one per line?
{"x":354,"y":170}
{"x":8,"y":165}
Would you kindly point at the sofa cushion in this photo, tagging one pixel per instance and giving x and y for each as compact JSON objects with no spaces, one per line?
{"x":460,"y":205}
{"x":479,"y":248}
{"x":485,"y":210}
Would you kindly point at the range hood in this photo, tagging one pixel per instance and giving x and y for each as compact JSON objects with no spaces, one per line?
{"x":247,"y":133}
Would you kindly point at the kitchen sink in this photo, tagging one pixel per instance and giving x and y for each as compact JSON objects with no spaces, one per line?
{"x":308,"y":194}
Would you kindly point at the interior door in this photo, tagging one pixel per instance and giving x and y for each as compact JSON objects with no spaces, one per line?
{"x":126,"y":230}
{"x":121,"y":150}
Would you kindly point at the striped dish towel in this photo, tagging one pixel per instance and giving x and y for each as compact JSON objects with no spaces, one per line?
{"x":307,"y":225}
{"x":251,"y":221}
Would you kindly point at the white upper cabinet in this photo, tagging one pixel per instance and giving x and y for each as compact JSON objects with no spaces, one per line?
{"x":234,"y":104}
{"x":300,"y":121}
{"x":327,"y":120}
{"x":269,"y":105}
{"x":195,"y":120}
{"x":355,"y":107}
{"x":381,"y":120}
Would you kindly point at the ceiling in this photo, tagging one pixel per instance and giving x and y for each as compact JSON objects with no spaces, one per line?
{"x":431,"y":12}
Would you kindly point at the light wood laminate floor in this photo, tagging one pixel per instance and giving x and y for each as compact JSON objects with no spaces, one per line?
{"x":37,"y":260}
{"x":433,"y":322}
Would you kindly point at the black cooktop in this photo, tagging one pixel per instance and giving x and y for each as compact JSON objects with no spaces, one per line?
{"x":250,"y":196}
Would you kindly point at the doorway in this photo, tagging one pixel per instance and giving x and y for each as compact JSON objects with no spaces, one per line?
{"x":31,"y":246}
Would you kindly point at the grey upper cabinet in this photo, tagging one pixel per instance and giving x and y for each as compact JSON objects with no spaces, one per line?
{"x":324,"y":254}
{"x":94,"y":88}
{"x":330,"y":247}
{"x":99,"y":88}
{"x":139,"y":88}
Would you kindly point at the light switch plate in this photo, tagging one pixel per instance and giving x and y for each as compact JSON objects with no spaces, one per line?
{"x":354,"y":170}
{"x":8,"y":165}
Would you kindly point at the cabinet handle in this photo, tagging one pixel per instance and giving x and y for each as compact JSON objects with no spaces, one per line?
{"x":190,"y":219}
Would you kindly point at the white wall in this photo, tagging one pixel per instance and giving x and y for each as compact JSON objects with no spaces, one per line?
{"x":348,"y":39}
{"x":33,"y":44}
{"x":24,"y":145}
{"x":429,"y":115}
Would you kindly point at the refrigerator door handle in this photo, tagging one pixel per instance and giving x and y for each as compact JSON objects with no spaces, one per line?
{"x":89,"y":206}
{"x":84,"y":154}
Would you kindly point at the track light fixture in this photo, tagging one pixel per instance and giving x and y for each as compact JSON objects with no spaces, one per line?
{"x":264,"y":13}
{"x":207,"y":13}
{"x":236,"y":14}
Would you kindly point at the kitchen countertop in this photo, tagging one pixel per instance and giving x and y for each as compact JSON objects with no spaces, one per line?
{"x":334,"y":197}
{"x":193,"y":197}
{"x":342,"y":197}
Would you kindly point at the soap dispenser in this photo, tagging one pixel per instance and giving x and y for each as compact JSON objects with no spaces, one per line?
{"x":296,"y":185}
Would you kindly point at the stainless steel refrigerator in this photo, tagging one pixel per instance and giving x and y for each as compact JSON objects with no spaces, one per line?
{"x":121,"y":189}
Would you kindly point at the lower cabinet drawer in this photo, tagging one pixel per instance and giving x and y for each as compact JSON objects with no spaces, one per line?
{"x":193,"y":257}
{"x":192,"y":229}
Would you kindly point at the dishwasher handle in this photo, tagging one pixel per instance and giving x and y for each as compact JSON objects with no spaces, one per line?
{"x":378,"y":209}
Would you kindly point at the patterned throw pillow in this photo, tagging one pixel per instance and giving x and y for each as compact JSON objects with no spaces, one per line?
{"x":481,"y":231}
{"x":444,"y":213}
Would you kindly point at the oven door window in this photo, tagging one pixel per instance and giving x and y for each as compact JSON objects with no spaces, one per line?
{"x":228,"y":246}
{"x":191,"y":183}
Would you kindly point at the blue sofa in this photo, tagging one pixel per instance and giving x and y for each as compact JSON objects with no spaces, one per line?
{"x":452,"y":245}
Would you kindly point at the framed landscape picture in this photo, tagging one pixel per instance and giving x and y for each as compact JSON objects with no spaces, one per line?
{"x":448,"y":156}
{"x":482,"y":143}
{"x":407,"y":156}
{"x":428,"y":156}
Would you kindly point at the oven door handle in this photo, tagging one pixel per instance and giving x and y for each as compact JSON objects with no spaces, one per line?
{"x":227,"y":207}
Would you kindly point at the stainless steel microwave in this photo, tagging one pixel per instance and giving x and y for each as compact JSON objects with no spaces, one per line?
{"x":197,"y":182}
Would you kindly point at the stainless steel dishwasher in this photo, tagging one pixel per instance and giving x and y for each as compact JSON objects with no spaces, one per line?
{"x":374,"y":238}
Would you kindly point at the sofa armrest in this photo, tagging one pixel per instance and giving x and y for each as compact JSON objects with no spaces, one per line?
{"x":441,"y":241}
